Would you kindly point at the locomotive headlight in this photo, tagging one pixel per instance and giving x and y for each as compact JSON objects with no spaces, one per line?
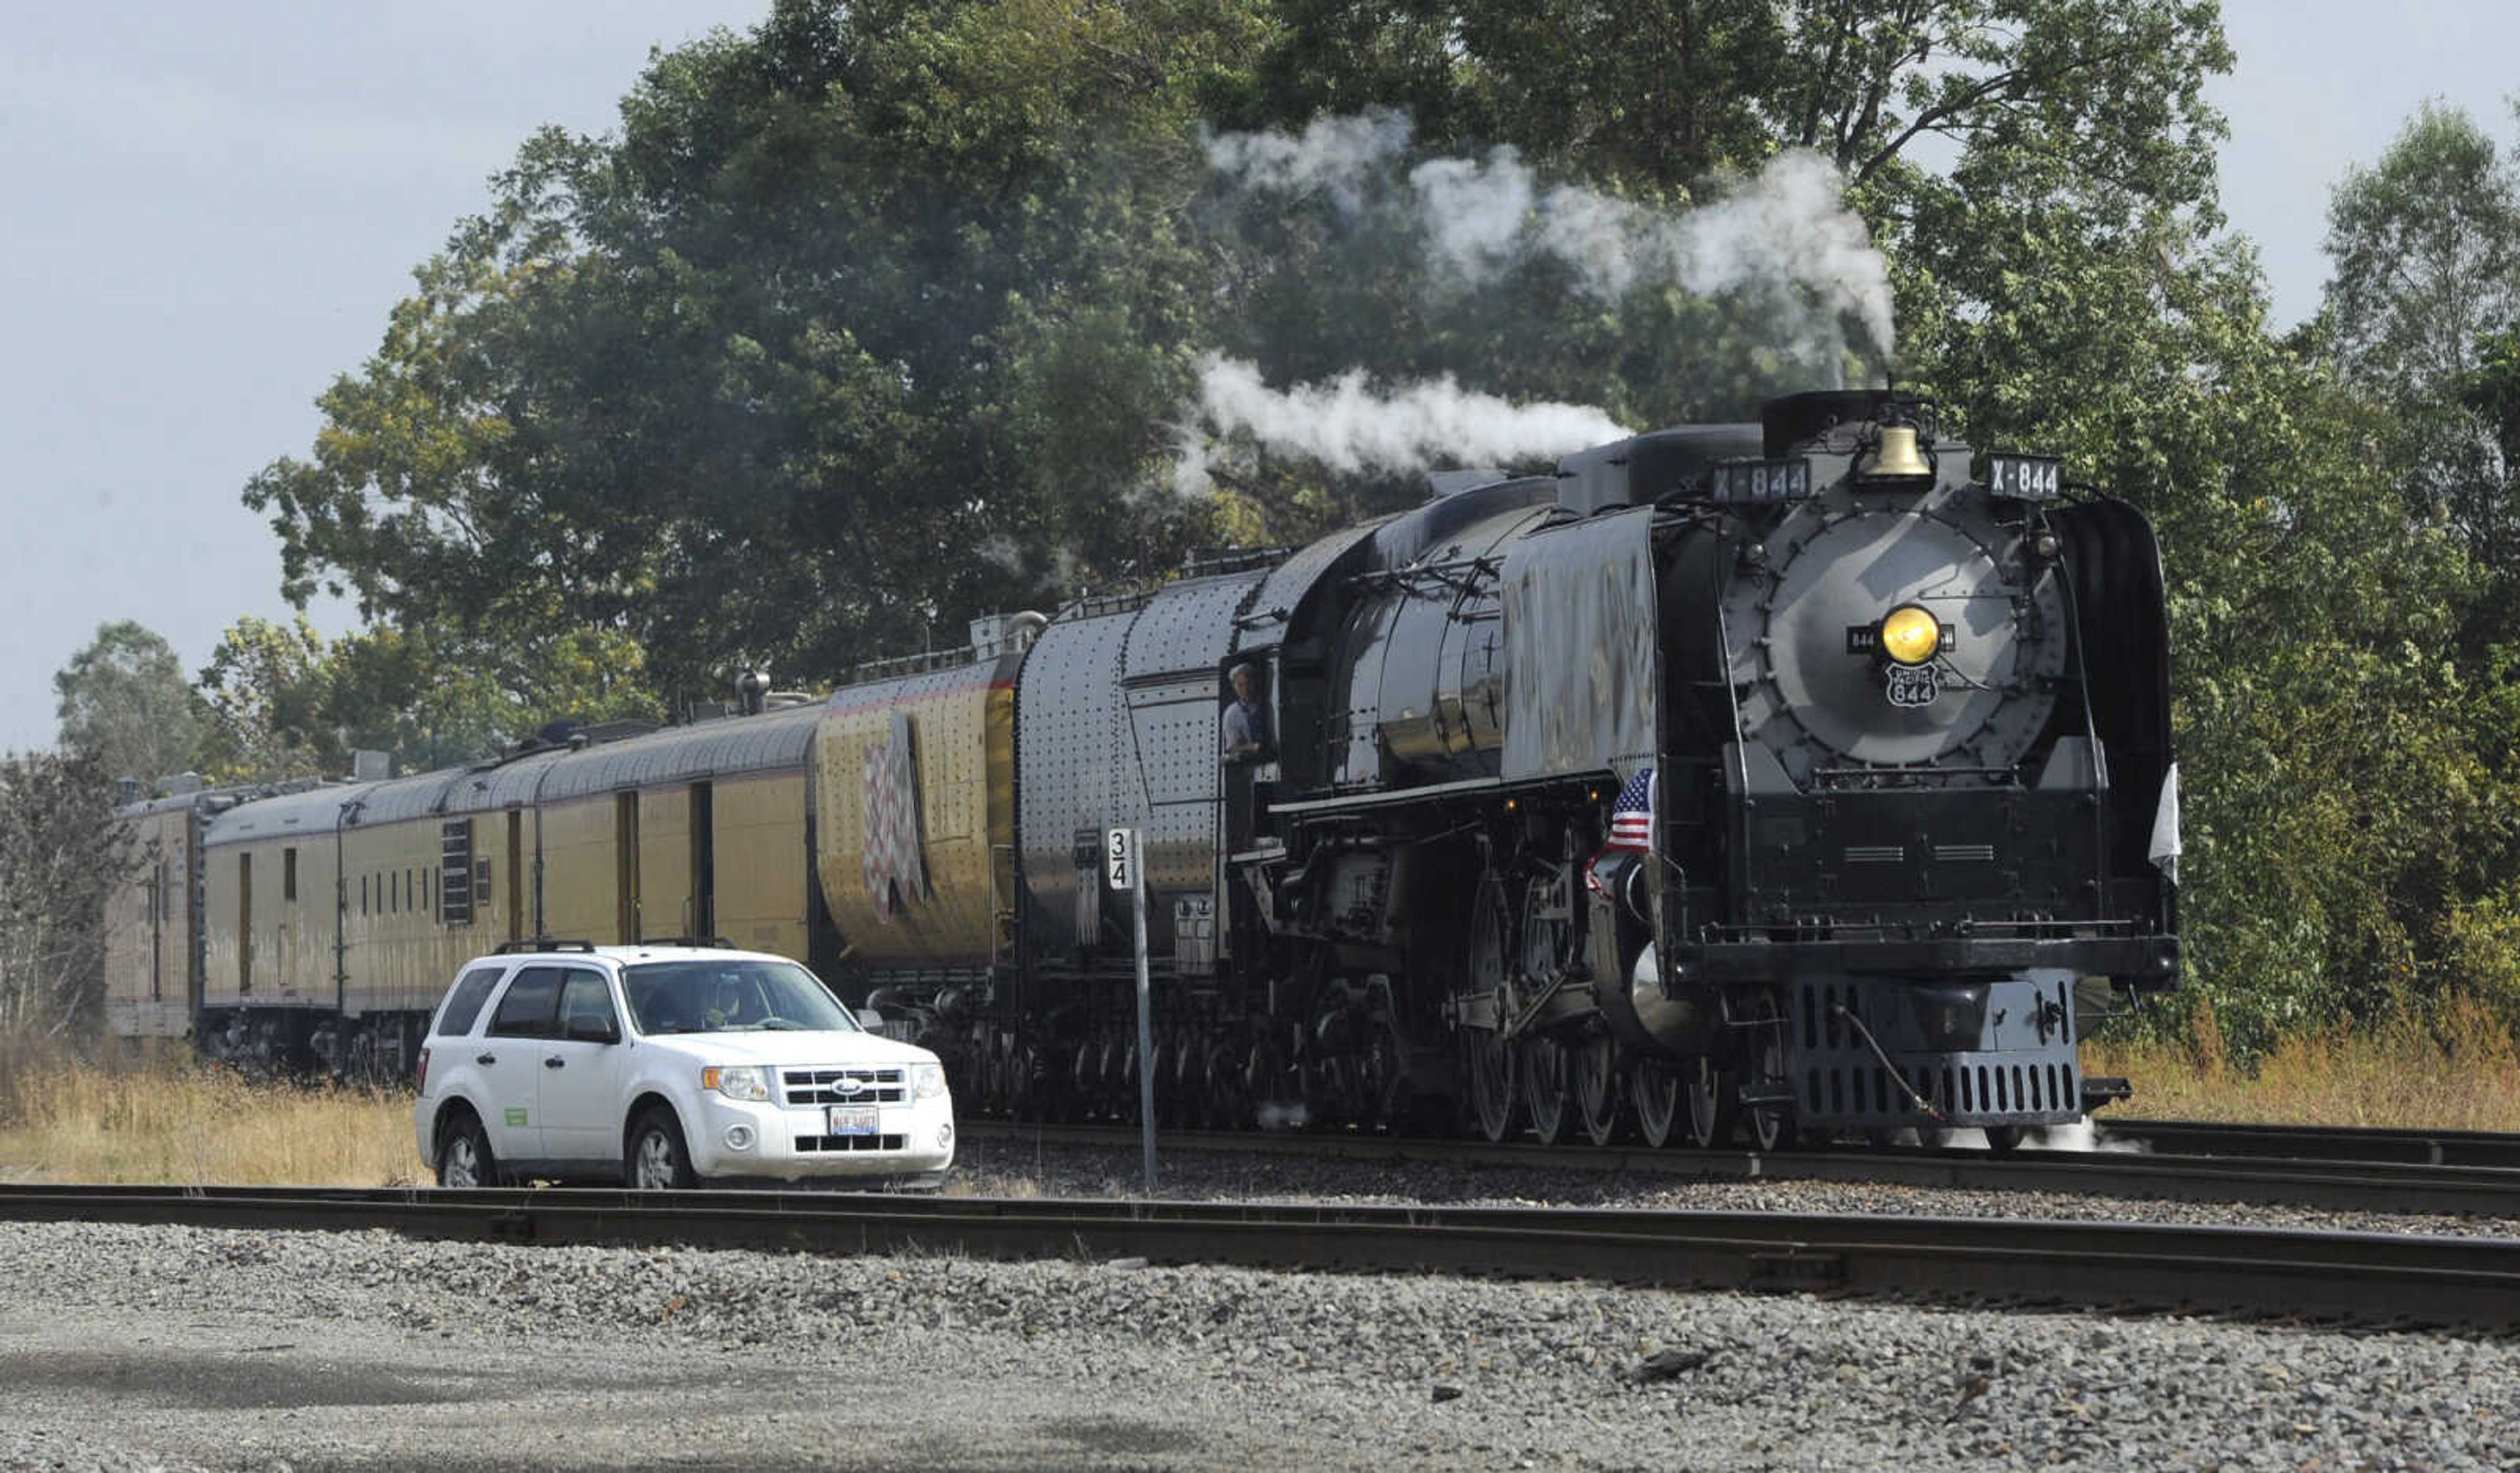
{"x":1910,"y":635}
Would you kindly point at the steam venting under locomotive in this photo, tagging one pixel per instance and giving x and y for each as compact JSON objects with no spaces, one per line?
{"x":1812,"y":774}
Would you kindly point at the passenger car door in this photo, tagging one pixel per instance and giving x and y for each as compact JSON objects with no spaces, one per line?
{"x":579,"y":1102}
{"x":509,"y":1057}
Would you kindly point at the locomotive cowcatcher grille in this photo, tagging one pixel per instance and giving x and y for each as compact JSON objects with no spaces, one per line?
{"x":1999,"y":1052}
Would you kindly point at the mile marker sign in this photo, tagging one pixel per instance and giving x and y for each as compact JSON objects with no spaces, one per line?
{"x":1120,"y":856}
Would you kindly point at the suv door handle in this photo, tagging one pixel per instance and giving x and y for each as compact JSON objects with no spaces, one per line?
{"x":554,"y":1062}
{"x":487,"y":1058}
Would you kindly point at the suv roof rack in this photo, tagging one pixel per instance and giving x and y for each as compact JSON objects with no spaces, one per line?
{"x":542,"y":944}
{"x":718,"y":941}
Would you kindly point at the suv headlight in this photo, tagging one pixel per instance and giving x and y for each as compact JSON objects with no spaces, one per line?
{"x":926,"y":1080}
{"x":748,"y":1081}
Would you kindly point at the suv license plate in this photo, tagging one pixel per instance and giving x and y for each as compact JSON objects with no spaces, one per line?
{"x":853,"y":1119}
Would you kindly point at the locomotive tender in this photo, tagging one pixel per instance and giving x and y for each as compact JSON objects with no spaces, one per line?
{"x":1785,"y":773}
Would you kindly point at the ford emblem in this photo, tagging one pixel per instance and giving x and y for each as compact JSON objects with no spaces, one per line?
{"x":847,"y":1085}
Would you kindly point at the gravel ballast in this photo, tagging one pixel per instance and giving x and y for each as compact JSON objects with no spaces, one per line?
{"x":131,"y":1347}
{"x":1010,"y":1166}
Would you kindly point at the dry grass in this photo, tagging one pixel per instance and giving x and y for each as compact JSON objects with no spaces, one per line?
{"x":126,"y":1119}
{"x":2455,"y":1069}
{"x":133,"y":1118}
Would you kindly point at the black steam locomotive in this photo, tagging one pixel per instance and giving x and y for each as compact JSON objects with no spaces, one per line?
{"x":1780,"y":770}
{"x":1798,"y":774}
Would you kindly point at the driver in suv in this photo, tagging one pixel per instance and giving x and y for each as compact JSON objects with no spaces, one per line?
{"x":664,"y":1065}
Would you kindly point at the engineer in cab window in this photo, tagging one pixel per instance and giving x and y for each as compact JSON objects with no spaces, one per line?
{"x":1245,"y":728}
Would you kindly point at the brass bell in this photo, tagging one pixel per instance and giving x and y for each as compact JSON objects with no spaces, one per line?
{"x":1897,"y":457}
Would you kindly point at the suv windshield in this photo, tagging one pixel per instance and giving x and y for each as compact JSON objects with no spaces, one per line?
{"x":729,"y":997}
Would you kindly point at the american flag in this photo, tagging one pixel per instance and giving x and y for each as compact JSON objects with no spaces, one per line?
{"x":894,"y":869}
{"x":1632,"y":816}
{"x":1631,"y":823}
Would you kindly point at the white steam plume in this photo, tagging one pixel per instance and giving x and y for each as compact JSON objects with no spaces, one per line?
{"x":1348,"y":427}
{"x":1787,"y":232}
{"x":1334,"y":156}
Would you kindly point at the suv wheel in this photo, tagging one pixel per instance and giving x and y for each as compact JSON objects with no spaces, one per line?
{"x":658,"y":1160}
{"x":463,"y":1158}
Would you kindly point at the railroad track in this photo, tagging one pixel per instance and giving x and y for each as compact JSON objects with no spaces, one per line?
{"x":2393,"y":1175}
{"x":2454,"y":1148}
{"x":2470,"y":1283}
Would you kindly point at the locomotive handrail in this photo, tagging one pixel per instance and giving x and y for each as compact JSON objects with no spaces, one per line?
{"x":1467,"y":787}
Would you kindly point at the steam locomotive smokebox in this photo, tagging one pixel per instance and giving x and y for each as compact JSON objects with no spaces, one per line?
{"x":1648,"y":467}
{"x":1789,"y":421}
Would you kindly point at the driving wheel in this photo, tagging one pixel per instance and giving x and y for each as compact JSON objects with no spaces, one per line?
{"x":1654,"y":1086}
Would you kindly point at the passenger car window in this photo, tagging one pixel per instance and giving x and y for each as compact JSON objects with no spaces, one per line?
{"x":464,"y":1000}
{"x":530,"y":1006}
{"x":584,"y":999}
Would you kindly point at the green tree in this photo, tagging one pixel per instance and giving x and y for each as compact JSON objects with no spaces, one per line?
{"x":125,"y":705}
{"x":263,"y":689}
{"x":287,"y":703}
{"x":846,"y":300}
{"x":2426,"y":246}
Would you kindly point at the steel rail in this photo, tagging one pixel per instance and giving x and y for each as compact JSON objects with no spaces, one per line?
{"x":2336,"y":1184}
{"x":2469,"y":1284}
{"x":2358,"y":1143}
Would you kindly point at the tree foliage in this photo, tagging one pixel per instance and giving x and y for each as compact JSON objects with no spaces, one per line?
{"x":285,"y":703}
{"x":2426,"y":246}
{"x":858,"y":324}
{"x":127,"y":705}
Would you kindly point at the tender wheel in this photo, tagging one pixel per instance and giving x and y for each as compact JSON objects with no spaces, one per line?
{"x":463,"y":1159}
{"x":1024,"y":1084}
{"x":1185,"y":1085}
{"x":1277,"y":1094}
{"x":1545,"y":1087}
{"x":1228,"y":1104}
{"x":659,"y":1160}
{"x":1714,"y":1101}
{"x":1656,"y":1088}
{"x":2004,"y":1138}
{"x":1597,"y":1087}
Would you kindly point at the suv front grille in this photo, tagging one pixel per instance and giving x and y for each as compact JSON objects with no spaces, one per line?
{"x":806,"y":1143}
{"x":831,"y":1085}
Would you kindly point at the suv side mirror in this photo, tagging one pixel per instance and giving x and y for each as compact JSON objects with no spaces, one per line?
{"x":871,"y":1020}
{"x":583,"y":1030}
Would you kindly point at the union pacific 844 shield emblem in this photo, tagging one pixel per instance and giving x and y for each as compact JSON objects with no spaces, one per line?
{"x":1912,"y":686}
{"x":895,"y":872}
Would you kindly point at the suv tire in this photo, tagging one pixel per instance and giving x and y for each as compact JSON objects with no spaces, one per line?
{"x":463,"y":1159}
{"x":657,"y":1160}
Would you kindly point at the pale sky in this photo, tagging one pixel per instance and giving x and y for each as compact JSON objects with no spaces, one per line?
{"x":209,"y":210}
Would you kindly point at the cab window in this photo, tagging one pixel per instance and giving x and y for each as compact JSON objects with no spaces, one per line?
{"x":464,"y":1000}
{"x":530,"y":1006}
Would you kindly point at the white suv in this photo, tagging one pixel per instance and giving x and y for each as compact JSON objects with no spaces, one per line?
{"x":732,"y":1063}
